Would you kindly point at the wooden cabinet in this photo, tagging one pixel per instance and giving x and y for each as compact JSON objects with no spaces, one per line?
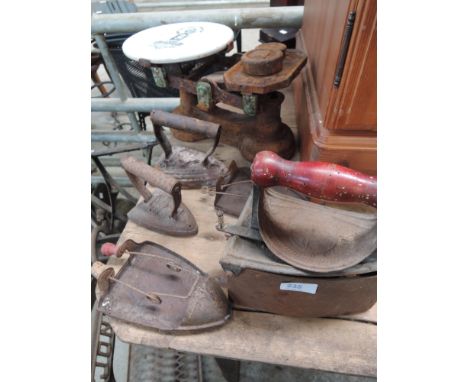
{"x":336,"y":93}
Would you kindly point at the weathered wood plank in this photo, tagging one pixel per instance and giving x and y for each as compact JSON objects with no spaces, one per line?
{"x":324,"y":344}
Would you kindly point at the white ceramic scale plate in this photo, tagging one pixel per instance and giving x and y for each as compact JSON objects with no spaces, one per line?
{"x":180,"y":42}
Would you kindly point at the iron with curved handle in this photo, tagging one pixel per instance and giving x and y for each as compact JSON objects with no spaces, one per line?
{"x":139,"y":172}
{"x":180,"y":122}
{"x":321,"y":180}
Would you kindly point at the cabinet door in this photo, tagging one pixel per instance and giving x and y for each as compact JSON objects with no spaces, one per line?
{"x":322,"y":31}
{"x":353,"y":103}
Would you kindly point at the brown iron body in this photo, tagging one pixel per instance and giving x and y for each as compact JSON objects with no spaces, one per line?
{"x":250,"y":134}
{"x":192,"y":168}
{"x":312,"y":236}
{"x":188,"y":299}
{"x":161,"y":210}
{"x":236,"y":79}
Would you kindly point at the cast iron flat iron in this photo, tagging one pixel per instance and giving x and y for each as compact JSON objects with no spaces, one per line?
{"x":160,"y":289}
{"x":161,"y":211}
{"x":308,"y":235}
{"x":192,"y":168}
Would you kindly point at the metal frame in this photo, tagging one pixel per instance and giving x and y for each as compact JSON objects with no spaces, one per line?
{"x":237,"y":18}
{"x":200,"y":4}
{"x":115,"y":76}
{"x":134,"y":104}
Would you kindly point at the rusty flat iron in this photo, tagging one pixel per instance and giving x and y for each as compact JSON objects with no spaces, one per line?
{"x":161,"y":211}
{"x":192,"y":168}
{"x":160,"y":289}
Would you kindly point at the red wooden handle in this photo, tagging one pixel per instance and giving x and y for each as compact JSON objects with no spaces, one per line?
{"x":322,"y":180}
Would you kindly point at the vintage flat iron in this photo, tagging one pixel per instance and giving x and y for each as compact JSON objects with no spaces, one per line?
{"x":160,"y":289}
{"x":161,"y":211}
{"x":192,"y":168}
{"x":245,"y":99}
{"x":308,"y":235}
{"x":257,"y":280}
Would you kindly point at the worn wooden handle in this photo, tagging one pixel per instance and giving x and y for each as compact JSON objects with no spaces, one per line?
{"x":138,"y":172}
{"x":152,"y":175}
{"x":190,"y":124}
{"x":321,"y":180}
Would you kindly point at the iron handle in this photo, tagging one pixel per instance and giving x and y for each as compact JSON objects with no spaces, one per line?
{"x":181,"y":122}
{"x":321,"y":180}
{"x":140,"y":172}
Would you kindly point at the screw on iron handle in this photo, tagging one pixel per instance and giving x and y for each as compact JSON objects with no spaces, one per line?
{"x":138,"y":172}
{"x":181,"y":122}
{"x":321,"y":180}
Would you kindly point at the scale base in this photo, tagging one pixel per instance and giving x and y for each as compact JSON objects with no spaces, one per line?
{"x":264,"y":131}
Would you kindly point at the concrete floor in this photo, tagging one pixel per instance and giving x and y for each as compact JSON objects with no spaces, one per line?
{"x":249,"y":371}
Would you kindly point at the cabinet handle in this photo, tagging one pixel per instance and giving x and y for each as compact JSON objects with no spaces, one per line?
{"x":344,"y":48}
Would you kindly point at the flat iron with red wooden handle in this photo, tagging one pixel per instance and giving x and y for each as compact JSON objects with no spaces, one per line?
{"x":321,"y":180}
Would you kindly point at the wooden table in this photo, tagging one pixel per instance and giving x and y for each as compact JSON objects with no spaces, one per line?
{"x":345,"y":345}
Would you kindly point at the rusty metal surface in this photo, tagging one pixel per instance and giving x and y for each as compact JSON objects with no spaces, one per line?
{"x":240,"y":253}
{"x":161,"y":210}
{"x":257,"y":125}
{"x":192,"y":168}
{"x":187,"y":166}
{"x":264,"y":131}
{"x":189,"y":300}
{"x":193,"y":125}
{"x":156,"y":215}
{"x":229,"y":204}
{"x":237,"y":80}
{"x":273,"y":45}
{"x":102,"y":346}
{"x":222,"y":95}
{"x":262,"y":291}
{"x":315,"y":237}
{"x":102,"y":273}
{"x":151,"y":175}
{"x":262,"y":62}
